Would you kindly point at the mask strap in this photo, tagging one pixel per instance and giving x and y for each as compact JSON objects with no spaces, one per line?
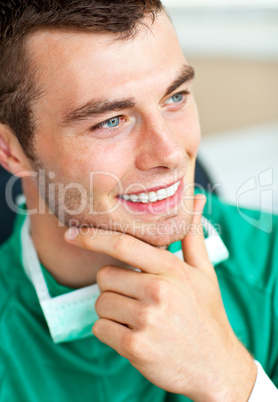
{"x":31,"y":263}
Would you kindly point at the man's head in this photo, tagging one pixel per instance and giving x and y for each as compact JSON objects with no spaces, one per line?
{"x":21,"y":18}
{"x":107,"y":114}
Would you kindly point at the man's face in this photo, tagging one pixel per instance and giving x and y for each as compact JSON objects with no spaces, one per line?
{"x":117,"y":118}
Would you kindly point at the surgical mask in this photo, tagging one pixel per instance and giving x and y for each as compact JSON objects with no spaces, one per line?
{"x":71,"y":316}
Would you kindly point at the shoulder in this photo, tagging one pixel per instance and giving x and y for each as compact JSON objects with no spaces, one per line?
{"x":9,"y":263}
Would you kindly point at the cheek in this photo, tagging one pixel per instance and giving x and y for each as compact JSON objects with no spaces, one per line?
{"x":107,"y":170}
{"x":113,"y":159}
{"x":75,"y":158}
{"x":100,"y":165}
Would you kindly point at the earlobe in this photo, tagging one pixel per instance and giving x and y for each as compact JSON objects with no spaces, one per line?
{"x":12,"y":157}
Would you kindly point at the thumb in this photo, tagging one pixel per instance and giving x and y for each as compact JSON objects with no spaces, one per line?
{"x":193,"y":244}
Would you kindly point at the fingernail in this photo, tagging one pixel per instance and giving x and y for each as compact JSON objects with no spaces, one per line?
{"x":71,"y":233}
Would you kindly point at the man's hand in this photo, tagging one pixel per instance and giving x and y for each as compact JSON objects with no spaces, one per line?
{"x":169,"y":320}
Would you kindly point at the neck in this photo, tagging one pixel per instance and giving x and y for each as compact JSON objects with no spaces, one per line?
{"x":70,"y":265}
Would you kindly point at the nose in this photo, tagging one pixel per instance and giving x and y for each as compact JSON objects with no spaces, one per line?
{"x":157,"y":146}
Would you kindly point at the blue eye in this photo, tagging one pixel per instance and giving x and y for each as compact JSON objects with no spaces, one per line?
{"x":114,"y":122}
{"x":177,"y":98}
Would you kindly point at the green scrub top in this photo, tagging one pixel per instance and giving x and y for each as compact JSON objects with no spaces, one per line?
{"x":34,"y":369}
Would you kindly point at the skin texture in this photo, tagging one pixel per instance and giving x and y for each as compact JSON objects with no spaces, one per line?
{"x":156,"y":143}
{"x":180,"y":300}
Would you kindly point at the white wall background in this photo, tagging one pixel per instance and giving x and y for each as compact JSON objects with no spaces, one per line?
{"x":221,"y":3}
{"x":229,"y":30}
{"x":239,"y":29}
{"x":244,"y":165}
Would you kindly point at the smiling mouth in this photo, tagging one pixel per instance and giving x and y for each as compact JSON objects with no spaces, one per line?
{"x":152,"y":196}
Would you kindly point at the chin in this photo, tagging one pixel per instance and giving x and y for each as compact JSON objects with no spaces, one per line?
{"x":162,"y":235}
{"x":161,"y":241}
{"x":158,"y":234}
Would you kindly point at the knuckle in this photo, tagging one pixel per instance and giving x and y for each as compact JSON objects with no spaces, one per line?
{"x":171,"y":261}
{"x":124,"y":245}
{"x":100,"y":303}
{"x":132,"y":347}
{"x":157,"y":289}
{"x":144,"y":316}
{"x":102,"y":274}
{"x":97,"y":328}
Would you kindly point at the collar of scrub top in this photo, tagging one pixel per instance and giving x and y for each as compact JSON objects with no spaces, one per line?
{"x":71,"y":316}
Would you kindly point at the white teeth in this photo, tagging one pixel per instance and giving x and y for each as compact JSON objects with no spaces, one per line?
{"x":169,"y":192}
{"x":152,"y":196}
{"x":133,"y":198}
{"x":161,"y":194}
{"x":143,"y":198}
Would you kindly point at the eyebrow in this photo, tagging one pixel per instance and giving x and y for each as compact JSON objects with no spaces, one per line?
{"x":186,"y":75}
{"x":97,"y":107}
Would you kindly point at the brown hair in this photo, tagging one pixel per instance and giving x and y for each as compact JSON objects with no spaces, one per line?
{"x":20,"y":18}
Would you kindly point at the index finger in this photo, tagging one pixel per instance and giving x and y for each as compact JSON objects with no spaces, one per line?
{"x":123,"y":247}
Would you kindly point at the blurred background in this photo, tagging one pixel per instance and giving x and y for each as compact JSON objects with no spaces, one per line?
{"x":233,"y":46}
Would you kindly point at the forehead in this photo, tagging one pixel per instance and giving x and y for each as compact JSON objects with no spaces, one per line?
{"x":74,"y":65}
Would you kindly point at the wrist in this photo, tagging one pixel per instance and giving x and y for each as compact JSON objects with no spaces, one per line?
{"x":234,"y":380}
{"x":238,"y":380}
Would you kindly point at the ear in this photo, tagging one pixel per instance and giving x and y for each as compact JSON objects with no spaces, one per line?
{"x":12,"y":157}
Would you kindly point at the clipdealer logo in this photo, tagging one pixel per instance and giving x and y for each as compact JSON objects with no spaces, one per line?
{"x":259,"y":188}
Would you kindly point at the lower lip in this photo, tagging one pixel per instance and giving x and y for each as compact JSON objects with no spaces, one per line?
{"x":158,"y":206}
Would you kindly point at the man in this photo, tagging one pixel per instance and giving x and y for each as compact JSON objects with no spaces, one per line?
{"x":98,"y":119}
